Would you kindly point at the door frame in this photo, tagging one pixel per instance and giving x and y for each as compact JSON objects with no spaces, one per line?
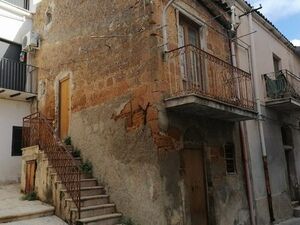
{"x":59,"y":78}
{"x":28,"y":188}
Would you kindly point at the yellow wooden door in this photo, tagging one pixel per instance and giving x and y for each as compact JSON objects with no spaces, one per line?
{"x":194,"y":178}
{"x":64,"y":108}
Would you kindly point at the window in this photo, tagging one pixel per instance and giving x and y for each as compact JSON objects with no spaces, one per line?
{"x":20,"y":3}
{"x":16,"y":141}
{"x":230,"y":158}
{"x":276,"y":61}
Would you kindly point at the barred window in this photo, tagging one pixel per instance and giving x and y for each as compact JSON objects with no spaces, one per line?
{"x":230,"y":158}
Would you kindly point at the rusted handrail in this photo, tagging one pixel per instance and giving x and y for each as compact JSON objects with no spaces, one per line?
{"x":38,"y":130}
{"x":195,"y":71}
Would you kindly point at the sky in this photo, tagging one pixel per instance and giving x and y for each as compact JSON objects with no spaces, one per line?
{"x":284,"y":14}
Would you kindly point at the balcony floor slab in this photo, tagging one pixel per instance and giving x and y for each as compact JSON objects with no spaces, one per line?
{"x":16,"y":95}
{"x":284,"y":104}
{"x":207,"y":107}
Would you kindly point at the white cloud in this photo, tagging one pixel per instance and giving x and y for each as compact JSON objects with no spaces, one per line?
{"x":296,"y":42}
{"x":278,"y":9}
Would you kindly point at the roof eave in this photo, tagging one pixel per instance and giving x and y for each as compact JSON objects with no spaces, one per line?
{"x":262,"y":19}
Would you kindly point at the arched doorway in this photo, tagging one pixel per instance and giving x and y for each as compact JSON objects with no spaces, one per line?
{"x":193,"y":167}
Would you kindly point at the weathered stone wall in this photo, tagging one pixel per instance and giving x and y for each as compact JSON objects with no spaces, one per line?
{"x":111,"y":50}
{"x":227,"y":201}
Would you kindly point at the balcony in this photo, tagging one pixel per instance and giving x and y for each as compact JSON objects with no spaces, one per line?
{"x":282,"y":91}
{"x":202,"y":84}
{"x":17,"y":80}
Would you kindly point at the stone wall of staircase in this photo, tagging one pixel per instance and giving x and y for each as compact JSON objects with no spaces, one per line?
{"x":96,"y":207}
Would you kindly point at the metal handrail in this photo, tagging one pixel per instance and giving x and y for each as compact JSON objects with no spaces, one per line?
{"x":18,"y":76}
{"x":37,"y":130}
{"x":195,"y":71}
{"x":214,"y":58}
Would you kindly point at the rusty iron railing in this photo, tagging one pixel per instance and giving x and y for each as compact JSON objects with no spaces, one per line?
{"x":194,"y":71}
{"x":38,"y":130}
{"x":282,"y":84}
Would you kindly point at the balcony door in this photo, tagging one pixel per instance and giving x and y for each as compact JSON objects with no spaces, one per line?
{"x":190,"y":57}
{"x":64,"y":108}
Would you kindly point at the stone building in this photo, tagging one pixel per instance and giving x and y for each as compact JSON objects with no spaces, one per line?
{"x":147,"y":91}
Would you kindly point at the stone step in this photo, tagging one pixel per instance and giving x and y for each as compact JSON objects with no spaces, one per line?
{"x":89,"y":191}
{"x":108,"y":219}
{"x":77,"y":164}
{"x":89,"y":182}
{"x":47,"y":220}
{"x":295,"y":204}
{"x":90,"y":200}
{"x":77,"y":159}
{"x":82,"y":175}
{"x":95,"y":210}
{"x":27,"y":214}
{"x":297,"y":211}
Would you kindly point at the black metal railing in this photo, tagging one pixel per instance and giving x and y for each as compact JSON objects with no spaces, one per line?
{"x":20,"y":3}
{"x":17,"y":76}
{"x":282,"y":84}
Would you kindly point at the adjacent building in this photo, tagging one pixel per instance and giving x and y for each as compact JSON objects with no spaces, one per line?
{"x":17,"y":84}
{"x":273,"y":139}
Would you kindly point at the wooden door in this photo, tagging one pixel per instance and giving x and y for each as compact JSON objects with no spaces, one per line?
{"x":64,"y":108}
{"x":30,"y":176}
{"x":195,"y":183}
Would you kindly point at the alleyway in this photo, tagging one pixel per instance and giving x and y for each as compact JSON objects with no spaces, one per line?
{"x":13,"y":208}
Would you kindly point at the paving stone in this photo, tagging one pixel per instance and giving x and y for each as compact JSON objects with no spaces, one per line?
{"x":49,"y":220}
{"x":13,"y":208}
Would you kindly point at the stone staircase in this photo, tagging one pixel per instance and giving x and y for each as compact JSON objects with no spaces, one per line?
{"x":96,"y":207}
{"x":296,"y":208}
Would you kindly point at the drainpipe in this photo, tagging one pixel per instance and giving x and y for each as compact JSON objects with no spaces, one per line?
{"x":233,"y":22}
{"x":260,"y":120}
{"x":165,"y":25}
{"x":242,"y":132}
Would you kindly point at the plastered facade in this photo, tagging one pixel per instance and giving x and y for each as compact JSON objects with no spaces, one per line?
{"x":266,"y":44}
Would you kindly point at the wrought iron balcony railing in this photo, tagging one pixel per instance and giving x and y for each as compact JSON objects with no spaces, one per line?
{"x":282,"y":84}
{"x":17,"y":76}
{"x":194,"y":71}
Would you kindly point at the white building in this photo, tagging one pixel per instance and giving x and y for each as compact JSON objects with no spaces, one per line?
{"x":273,"y":141}
{"x":17,"y":84}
